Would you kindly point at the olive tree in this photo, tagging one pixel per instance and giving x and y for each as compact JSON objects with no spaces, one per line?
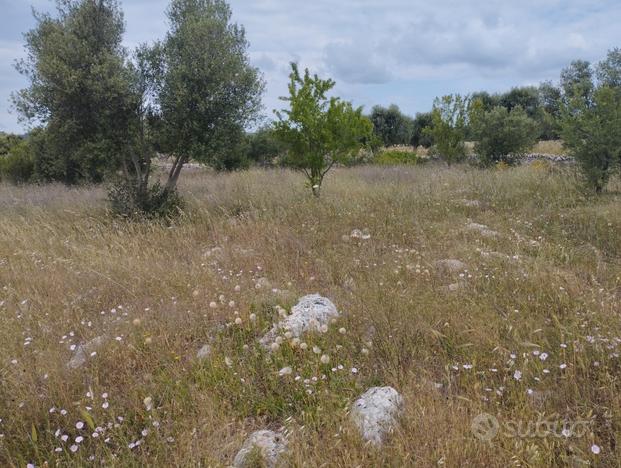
{"x":317,"y":130}
{"x":501,"y":135}
{"x":207,"y":91}
{"x":591,"y":130}
{"x":79,"y":90}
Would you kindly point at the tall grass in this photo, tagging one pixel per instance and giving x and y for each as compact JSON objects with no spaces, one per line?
{"x":252,"y":242}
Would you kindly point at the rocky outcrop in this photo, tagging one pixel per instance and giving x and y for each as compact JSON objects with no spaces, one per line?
{"x":311,"y":313}
{"x":262,"y":448}
{"x":376,"y":413}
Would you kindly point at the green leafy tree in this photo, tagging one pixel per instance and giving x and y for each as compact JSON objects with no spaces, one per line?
{"x":609,"y":70}
{"x":391,"y":126}
{"x":577,"y":81}
{"x":207,"y":91}
{"x":448,"y":130}
{"x":500,"y":134}
{"x":319,"y":131}
{"x":419,"y":136}
{"x":79,"y":90}
{"x":550,"y":102}
{"x":591,"y":131}
{"x":17,"y":165}
{"x":263,"y":147}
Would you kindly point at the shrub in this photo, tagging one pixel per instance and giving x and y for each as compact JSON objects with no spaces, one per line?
{"x":502,"y":135}
{"x":18,"y":165}
{"x":592,"y":133}
{"x":262,"y":147}
{"x":393,"y":157}
{"x":448,"y":130}
{"x":131,"y":200}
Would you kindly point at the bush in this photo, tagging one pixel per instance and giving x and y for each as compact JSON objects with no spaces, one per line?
{"x":448,"y":129}
{"x":592,"y":133}
{"x":130,"y":200}
{"x":262,"y":147}
{"x":502,"y":135}
{"x":393,"y":157}
{"x":18,"y":165}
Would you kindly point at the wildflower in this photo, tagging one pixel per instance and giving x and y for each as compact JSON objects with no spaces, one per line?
{"x":316,"y":350}
{"x":517,"y":375}
{"x":74,"y":448}
{"x":237,"y":288}
{"x":288,"y":335}
{"x":303,"y":346}
{"x":252,"y":317}
{"x":278,"y":340}
{"x":105,"y":405}
{"x":365,"y":351}
{"x":543,"y":356}
{"x":79,"y":439}
{"x":213,"y":305}
{"x":595,"y":449}
{"x":295,"y":342}
{"x":325,"y":359}
{"x":64,"y":438}
{"x":104,"y":395}
{"x":354,"y":370}
{"x":274,"y":346}
{"x":231,"y":304}
{"x":467,"y":366}
{"x":79,"y":425}
{"x":342,"y":330}
{"x":238,"y":321}
{"x":136,"y":322}
{"x":563,"y":366}
{"x":145,"y":432}
{"x":228,"y":361}
{"x":324,"y":329}
{"x":565,"y":432}
{"x":148,"y":340}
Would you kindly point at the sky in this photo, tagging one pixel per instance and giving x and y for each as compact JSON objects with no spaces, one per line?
{"x":405,"y":52}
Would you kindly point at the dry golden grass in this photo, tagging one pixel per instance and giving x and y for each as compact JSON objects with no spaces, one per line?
{"x":547,"y":283}
{"x":554,"y":147}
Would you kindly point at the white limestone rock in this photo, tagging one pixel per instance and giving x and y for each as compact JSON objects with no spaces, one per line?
{"x":450,"y":266}
{"x":269,"y":444}
{"x":204,"y":352}
{"x":309,"y":314}
{"x":482,"y":229}
{"x":376,"y":413}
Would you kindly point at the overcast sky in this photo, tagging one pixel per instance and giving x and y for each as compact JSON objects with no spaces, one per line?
{"x":380,"y":52}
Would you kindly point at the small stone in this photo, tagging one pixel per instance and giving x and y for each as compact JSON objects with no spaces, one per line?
{"x":450,"y":265}
{"x":482,"y":229}
{"x":204,"y":352}
{"x":268,"y":445}
{"x":82,"y":352}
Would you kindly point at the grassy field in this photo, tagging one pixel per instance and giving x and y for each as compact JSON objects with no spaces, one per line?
{"x":528,"y":332}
